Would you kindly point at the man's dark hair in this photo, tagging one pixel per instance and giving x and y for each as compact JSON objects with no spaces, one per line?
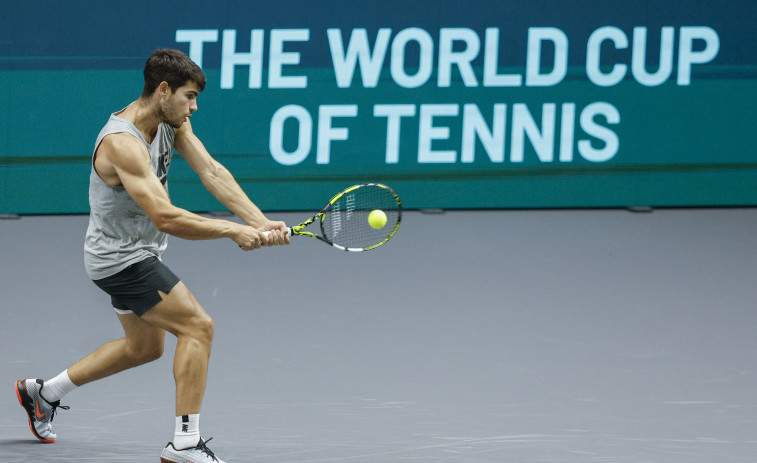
{"x":173,"y":67}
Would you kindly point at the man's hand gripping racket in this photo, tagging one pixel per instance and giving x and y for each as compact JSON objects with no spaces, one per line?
{"x":344,"y":221}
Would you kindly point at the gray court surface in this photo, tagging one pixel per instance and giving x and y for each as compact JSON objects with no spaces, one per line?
{"x":473,"y":336}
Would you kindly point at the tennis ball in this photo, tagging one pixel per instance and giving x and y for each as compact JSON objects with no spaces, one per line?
{"x":377,"y":219}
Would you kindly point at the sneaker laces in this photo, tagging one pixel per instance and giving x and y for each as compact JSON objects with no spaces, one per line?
{"x":56,"y":406}
{"x":202,"y":447}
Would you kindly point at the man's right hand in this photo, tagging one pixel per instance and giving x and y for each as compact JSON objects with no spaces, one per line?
{"x":249,"y":238}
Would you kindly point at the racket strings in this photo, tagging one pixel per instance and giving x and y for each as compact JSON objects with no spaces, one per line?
{"x":346,"y":224}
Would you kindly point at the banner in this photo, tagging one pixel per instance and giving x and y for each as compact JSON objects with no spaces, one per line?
{"x":490,"y":104}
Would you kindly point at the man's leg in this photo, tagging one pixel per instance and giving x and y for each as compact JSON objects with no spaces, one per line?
{"x":180,"y":314}
{"x":142,"y":343}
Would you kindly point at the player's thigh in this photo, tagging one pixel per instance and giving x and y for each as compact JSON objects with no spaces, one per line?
{"x":179,"y":313}
{"x":143,"y":338}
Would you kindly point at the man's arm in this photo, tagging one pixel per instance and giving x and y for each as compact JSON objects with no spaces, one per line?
{"x":123,"y":157}
{"x":219,"y":181}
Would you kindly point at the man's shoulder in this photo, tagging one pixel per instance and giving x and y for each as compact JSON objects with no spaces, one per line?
{"x":120,"y":141}
{"x":122,"y":147}
{"x":184,"y":130}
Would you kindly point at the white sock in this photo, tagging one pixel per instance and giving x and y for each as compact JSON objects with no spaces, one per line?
{"x":187,"y":434}
{"x":54,"y":389}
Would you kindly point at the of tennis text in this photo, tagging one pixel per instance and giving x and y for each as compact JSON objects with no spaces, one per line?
{"x":462,"y":58}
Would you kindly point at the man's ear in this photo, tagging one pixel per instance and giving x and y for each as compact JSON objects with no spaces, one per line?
{"x":164,"y":89}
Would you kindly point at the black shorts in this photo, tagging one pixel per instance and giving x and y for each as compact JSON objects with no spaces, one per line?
{"x":136,"y":287}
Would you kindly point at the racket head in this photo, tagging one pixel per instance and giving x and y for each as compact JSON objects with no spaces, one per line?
{"x":344,"y":220}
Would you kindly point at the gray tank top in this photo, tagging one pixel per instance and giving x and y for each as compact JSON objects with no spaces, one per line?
{"x":120,"y":233}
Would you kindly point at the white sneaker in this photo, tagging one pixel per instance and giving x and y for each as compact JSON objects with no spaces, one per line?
{"x":39,"y":410}
{"x":199,"y":454}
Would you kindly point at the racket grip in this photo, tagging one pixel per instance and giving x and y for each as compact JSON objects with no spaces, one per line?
{"x":268,"y":233}
{"x":288,"y":232}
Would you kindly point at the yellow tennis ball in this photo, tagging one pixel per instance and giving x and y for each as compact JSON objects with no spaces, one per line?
{"x":377,"y":219}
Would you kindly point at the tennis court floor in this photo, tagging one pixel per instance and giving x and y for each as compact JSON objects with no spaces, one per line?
{"x":472,"y":336}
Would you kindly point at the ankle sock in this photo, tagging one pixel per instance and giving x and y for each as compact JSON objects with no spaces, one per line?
{"x":187,"y":434}
{"x":54,"y":389}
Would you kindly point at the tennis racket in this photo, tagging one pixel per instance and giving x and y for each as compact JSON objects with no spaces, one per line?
{"x":344,"y":220}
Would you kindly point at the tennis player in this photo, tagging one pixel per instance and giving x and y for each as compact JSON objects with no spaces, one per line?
{"x":131,"y":216}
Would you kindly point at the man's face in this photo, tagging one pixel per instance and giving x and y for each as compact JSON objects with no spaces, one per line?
{"x":180,"y":104}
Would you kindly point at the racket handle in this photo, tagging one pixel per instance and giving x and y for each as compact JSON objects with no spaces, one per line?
{"x":288,"y":232}
{"x":268,"y":233}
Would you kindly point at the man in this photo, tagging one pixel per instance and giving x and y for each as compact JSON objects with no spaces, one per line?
{"x":131,"y":215}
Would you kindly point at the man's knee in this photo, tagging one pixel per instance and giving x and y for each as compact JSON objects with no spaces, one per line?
{"x":198,"y":326}
{"x":145,"y":352}
{"x":204,"y":328}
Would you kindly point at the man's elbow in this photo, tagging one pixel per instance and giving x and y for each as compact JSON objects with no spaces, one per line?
{"x":166,"y":222}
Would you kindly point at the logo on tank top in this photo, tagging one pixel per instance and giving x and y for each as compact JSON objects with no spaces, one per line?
{"x":163,"y":162}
